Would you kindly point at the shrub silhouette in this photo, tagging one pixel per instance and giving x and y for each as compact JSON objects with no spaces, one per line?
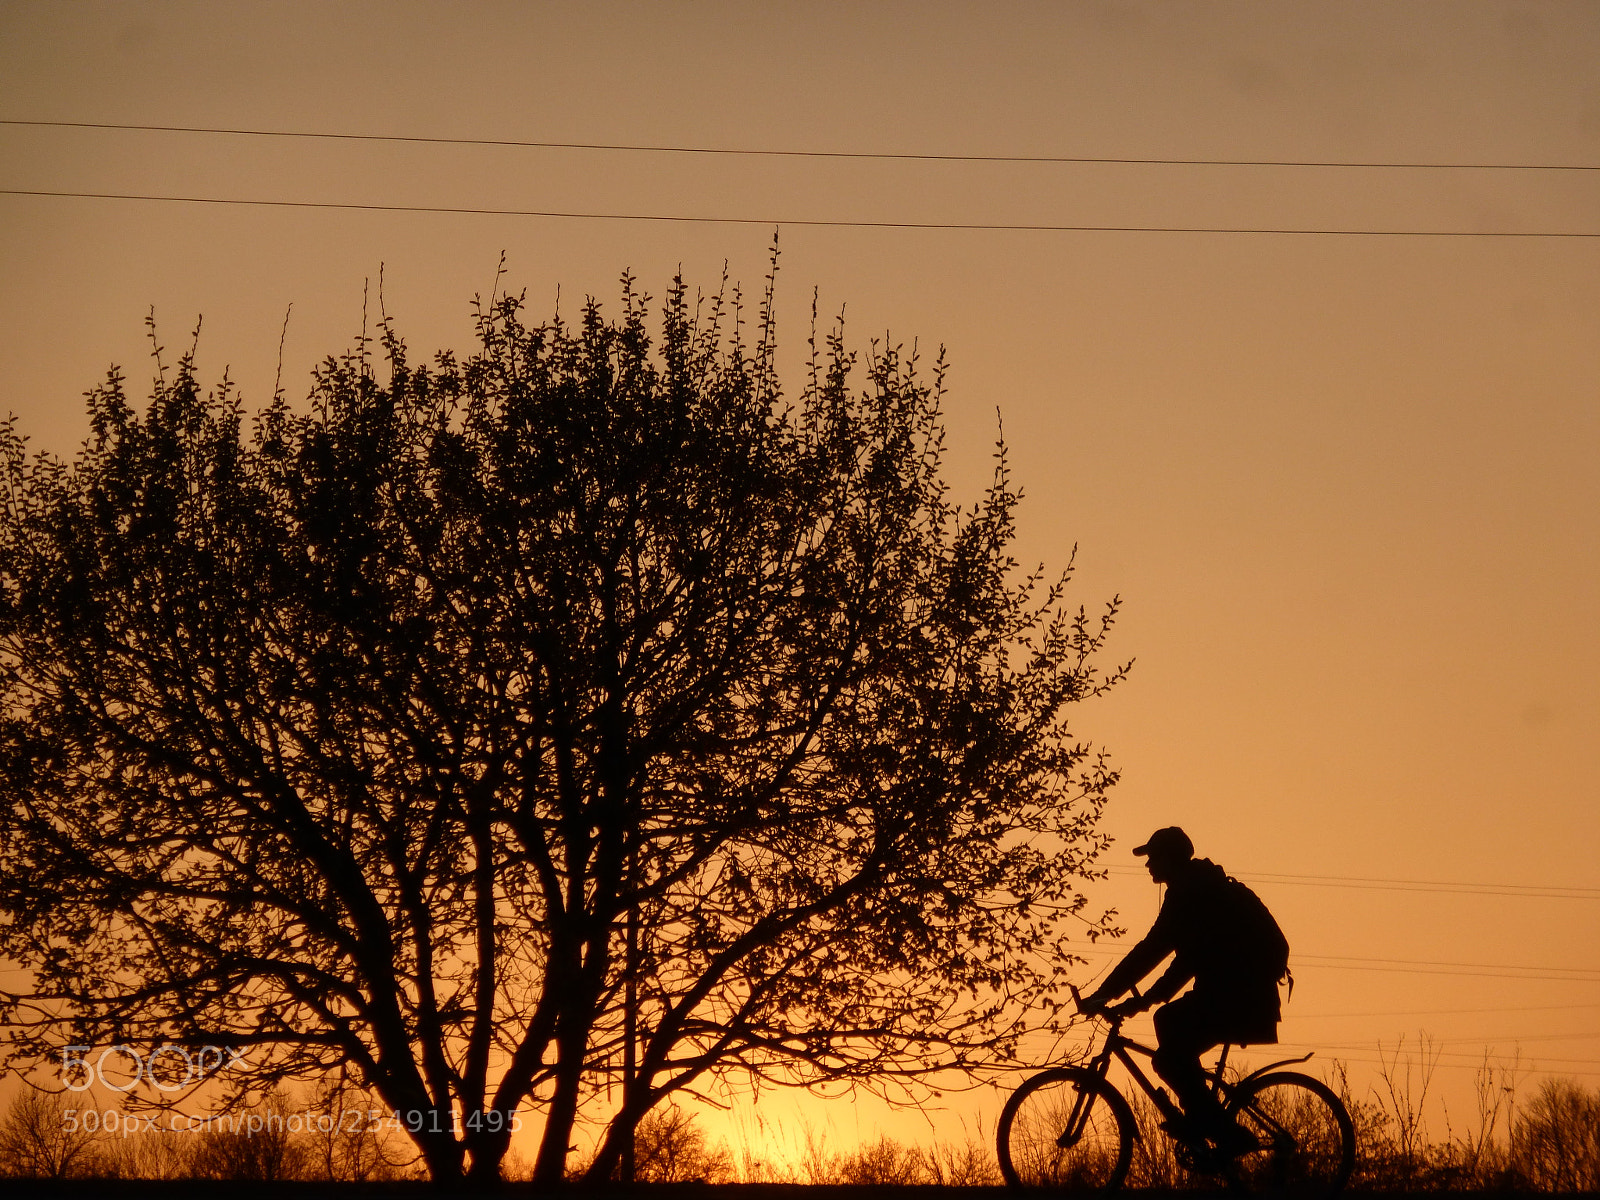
{"x":37,"y":1141}
{"x":1555,"y":1145}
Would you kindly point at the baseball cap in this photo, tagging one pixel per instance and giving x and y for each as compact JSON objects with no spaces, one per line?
{"x":1170,"y":842}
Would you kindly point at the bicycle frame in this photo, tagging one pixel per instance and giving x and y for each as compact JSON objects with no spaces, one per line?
{"x":1117,"y":1046}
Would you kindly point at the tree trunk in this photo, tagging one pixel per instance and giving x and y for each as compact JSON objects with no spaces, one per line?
{"x":487,"y":1150}
{"x":443,"y":1158}
{"x":618,"y":1135}
{"x":550,"y":1168}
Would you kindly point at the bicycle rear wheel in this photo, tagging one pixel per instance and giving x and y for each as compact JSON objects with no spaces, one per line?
{"x":1305,"y":1145}
{"x":1065,"y":1130}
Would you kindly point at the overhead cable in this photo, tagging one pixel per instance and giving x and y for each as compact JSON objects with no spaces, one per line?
{"x":764,"y":152}
{"x":1526,"y":890}
{"x":776,"y":222}
{"x":1440,"y":1012}
{"x":1417,"y":966}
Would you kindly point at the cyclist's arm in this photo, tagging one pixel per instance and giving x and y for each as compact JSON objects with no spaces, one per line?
{"x":1170,"y":984}
{"x":1135,"y":965}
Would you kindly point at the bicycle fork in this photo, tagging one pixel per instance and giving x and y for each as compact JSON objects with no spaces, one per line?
{"x":1077,"y":1119}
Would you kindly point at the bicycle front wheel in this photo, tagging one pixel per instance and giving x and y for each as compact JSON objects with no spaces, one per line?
{"x":1066,"y":1130}
{"x":1305,"y":1145}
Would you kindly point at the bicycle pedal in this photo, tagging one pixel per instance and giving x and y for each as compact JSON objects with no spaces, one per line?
{"x":1234,"y":1141}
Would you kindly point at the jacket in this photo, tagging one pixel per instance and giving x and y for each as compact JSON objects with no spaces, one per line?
{"x":1201,"y":926}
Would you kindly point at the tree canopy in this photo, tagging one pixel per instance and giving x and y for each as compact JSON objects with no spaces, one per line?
{"x":449,"y":726}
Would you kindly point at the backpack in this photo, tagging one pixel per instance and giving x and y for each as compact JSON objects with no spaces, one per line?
{"x":1260,"y":944}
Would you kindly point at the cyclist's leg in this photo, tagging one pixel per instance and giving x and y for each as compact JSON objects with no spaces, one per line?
{"x":1186,"y":1029}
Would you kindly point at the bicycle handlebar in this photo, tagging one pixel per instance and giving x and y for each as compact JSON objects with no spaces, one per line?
{"x":1112,"y":1012}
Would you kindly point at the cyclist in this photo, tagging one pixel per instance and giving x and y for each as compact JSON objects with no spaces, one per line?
{"x":1224,"y":940}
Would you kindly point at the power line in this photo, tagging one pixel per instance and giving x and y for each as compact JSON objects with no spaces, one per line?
{"x":1342,"y":1052}
{"x":1486,"y":1039}
{"x":984,"y":226}
{"x":1423,"y":1052}
{"x":1524,"y":1069}
{"x":1431,"y":962}
{"x":1442,"y":1012}
{"x":1517,"y":1038}
{"x":1407,"y":967}
{"x":1532,"y":977}
{"x":758,"y":152}
{"x":1530,"y":891}
{"x":1417,"y":966}
{"x":1475,"y":1060}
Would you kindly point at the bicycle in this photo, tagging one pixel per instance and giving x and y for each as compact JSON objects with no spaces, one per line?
{"x":1070,"y":1129}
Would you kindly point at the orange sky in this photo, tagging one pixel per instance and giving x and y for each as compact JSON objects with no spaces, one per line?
{"x":1347,"y":486}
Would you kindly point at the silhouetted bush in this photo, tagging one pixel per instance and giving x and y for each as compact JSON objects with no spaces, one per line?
{"x":342,"y":1144}
{"x":1555,"y":1143}
{"x":1550,"y":1144}
{"x":257,"y":1145}
{"x":43,"y":1136}
{"x":669,"y":1147}
{"x":37,"y":1141}
{"x":148,"y":1154}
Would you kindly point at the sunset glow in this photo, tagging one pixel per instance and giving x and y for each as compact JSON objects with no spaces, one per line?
{"x":1310,"y":379}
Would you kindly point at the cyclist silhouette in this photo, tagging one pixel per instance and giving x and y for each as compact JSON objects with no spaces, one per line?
{"x":1224,"y":940}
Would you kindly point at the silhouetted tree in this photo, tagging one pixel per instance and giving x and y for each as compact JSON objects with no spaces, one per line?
{"x":41,"y":1139}
{"x":364,"y":736}
{"x":1555,"y":1141}
{"x":262,"y":1150}
{"x":669,"y":1147}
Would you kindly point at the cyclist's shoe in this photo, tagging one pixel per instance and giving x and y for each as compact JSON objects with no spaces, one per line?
{"x":1232,"y":1141}
{"x":1183,"y":1128}
{"x":1220,"y":1131}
